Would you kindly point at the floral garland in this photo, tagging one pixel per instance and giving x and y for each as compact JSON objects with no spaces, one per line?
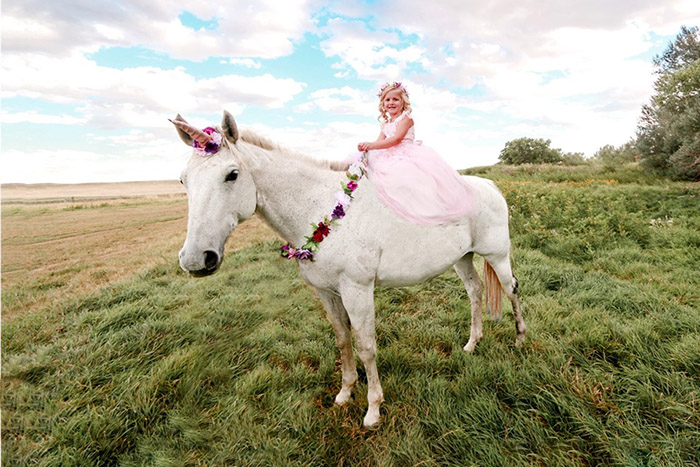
{"x":395,"y":84}
{"x":323,"y":228}
{"x":212,"y":147}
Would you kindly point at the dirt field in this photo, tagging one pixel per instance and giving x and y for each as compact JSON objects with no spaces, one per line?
{"x":66,"y":240}
{"x":49,"y":192}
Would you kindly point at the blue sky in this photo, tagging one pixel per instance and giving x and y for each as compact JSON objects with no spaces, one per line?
{"x":88,"y":86}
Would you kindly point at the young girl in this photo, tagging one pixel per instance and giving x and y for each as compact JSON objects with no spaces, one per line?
{"x":411,"y":179}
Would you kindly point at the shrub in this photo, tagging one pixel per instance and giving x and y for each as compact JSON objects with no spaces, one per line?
{"x":529,"y":151}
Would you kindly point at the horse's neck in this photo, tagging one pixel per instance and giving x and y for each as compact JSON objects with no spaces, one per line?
{"x":292,"y":194}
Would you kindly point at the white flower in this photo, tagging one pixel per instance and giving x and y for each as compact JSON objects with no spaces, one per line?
{"x":342,"y":198}
{"x":355,"y":170}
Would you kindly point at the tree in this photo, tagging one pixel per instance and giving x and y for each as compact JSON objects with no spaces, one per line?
{"x":529,"y":151}
{"x":668,"y":134}
{"x":573,"y":158}
{"x":611,"y":156}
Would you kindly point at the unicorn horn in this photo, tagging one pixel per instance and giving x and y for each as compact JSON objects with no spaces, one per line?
{"x":198,"y":135}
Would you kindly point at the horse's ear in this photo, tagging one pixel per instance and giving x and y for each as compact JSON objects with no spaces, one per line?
{"x":184,"y":136}
{"x":228,"y":125}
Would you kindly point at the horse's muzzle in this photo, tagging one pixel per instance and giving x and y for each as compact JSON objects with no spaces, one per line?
{"x":206,"y":265}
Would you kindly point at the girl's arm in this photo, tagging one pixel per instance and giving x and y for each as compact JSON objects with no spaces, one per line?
{"x":362,"y":147}
{"x":383,"y":142}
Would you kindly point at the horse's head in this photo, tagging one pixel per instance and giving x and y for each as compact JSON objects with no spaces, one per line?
{"x":220,"y":194}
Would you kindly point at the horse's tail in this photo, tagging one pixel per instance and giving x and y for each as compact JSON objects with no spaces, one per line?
{"x":494,"y":301}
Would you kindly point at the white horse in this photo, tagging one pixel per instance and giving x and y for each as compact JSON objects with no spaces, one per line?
{"x":372,"y":246}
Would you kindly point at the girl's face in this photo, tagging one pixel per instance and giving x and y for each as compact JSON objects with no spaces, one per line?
{"x":393,"y":103}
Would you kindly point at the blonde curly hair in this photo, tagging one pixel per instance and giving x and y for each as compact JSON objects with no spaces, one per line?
{"x":386,"y":89}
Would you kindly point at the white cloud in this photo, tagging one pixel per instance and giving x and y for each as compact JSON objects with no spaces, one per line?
{"x":139,"y":96}
{"x":264,"y":29}
{"x":246,"y":62}
{"x":32,"y":116}
{"x":339,"y":101}
{"x":374,"y":55}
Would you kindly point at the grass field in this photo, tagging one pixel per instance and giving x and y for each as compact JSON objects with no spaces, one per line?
{"x":113,"y":356}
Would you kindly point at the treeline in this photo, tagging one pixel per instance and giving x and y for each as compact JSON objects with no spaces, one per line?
{"x":668,"y":133}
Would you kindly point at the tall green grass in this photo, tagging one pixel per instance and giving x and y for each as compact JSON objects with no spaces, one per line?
{"x":241,"y":368}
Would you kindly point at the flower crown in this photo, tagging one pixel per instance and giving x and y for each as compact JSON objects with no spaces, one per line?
{"x":395,"y":84}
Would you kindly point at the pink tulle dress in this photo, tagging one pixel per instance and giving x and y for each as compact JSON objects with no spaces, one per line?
{"x":415,"y":182}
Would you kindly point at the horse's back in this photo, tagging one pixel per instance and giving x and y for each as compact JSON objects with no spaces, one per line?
{"x":374,"y":242}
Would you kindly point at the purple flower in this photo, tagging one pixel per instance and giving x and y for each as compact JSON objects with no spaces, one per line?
{"x":304,"y":254}
{"x":212,"y":147}
{"x":338,"y":212}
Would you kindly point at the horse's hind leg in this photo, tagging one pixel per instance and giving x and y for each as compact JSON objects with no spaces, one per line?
{"x":472,"y":282}
{"x":338,"y":317}
{"x":501,"y":265}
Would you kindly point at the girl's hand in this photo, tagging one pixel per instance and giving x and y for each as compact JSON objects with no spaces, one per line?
{"x":362,"y":147}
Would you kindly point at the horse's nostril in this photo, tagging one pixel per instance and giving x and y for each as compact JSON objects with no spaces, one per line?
{"x":211,"y":260}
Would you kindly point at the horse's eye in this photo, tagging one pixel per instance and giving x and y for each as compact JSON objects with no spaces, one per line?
{"x":232,"y":176}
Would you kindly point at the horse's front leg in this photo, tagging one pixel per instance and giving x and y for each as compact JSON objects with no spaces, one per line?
{"x":338,"y":317}
{"x":359,"y":303}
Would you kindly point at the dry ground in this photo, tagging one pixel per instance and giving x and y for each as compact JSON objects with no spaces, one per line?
{"x":22,"y":193}
{"x":66,"y":240}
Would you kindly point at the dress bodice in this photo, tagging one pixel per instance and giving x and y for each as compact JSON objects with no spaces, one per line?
{"x":389,"y":129}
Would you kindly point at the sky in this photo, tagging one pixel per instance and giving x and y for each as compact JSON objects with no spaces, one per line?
{"x":87,"y":86}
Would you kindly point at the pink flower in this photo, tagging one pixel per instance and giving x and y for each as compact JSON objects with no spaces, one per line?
{"x":352,"y":185}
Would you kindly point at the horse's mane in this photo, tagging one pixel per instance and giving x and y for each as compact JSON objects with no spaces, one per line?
{"x":255,"y":139}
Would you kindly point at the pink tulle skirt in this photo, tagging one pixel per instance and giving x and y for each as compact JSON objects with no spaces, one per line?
{"x":418,"y":185}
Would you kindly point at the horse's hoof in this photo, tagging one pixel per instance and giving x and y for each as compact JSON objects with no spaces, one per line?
{"x":343,"y":397}
{"x":470,"y":347}
{"x":520,"y":340}
{"x":371,"y":419}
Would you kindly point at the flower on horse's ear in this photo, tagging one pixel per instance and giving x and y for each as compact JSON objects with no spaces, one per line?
{"x":205,"y":142}
{"x":212,"y":147}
